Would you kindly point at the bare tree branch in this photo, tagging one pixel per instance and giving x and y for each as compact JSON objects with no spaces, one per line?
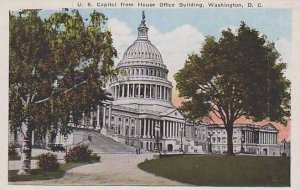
{"x":64,"y":92}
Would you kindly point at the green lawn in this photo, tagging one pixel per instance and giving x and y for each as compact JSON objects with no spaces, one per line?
{"x":38,"y":174}
{"x":209,"y":170}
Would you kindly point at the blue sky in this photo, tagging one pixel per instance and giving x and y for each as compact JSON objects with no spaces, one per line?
{"x":181,"y":31}
{"x":275,"y":23}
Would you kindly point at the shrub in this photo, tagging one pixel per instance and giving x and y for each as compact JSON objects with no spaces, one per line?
{"x":79,"y":153}
{"x":48,"y":161}
{"x":95,"y":156}
{"x":12,"y":152}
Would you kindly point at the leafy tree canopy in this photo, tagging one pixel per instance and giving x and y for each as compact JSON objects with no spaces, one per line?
{"x":57,"y":66}
{"x":234,"y":76}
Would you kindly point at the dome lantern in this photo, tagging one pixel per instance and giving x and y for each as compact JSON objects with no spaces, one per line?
{"x":143,"y":29}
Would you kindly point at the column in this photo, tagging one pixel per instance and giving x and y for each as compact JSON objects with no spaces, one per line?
{"x":139,"y":132}
{"x":123,"y":90}
{"x":271,"y":135}
{"x":153,"y":128}
{"x":249,"y":133}
{"x":178,"y":126}
{"x":155,"y":91}
{"x":149,"y":124}
{"x":164,"y":129}
{"x":145,"y":90}
{"x":104,"y":117}
{"x":144,"y":131}
{"x":128,"y":90}
{"x":91,"y":120}
{"x":170,"y":129}
{"x":166,"y":93}
{"x":32,"y":137}
{"x":170,"y":134}
{"x":177,"y":130}
{"x":98,"y":117}
{"x":167,"y":126}
{"x":150,"y":130}
{"x":150,"y":85}
{"x":173,"y":129}
{"x":248,"y":136}
{"x":115,"y":93}
{"x":139,"y":90}
{"x":109,"y":116}
{"x":82,"y":120}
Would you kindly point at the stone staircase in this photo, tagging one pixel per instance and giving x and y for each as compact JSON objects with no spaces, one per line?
{"x":103,"y":144}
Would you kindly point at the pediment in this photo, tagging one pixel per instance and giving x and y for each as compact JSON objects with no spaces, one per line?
{"x":173,"y":113}
{"x":269,"y":127}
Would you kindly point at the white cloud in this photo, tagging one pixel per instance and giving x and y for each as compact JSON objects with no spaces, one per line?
{"x":284,"y":47}
{"x":175,"y":45}
{"x":122,"y":35}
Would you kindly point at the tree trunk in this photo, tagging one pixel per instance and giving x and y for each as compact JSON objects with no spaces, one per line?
{"x":229,"y":130}
{"x":26,"y":151}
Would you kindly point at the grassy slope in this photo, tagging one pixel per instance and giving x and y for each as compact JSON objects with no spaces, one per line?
{"x":38,"y":174}
{"x":222,"y":170}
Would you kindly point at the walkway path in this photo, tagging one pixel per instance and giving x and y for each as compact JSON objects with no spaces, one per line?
{"x":118,"y":166}
{"x":114,"y":169}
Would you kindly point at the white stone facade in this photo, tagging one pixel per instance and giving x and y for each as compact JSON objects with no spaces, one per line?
{"x":247,"y":139}
{"x":141,"y":112}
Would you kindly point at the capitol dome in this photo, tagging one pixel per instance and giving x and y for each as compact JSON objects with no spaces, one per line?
{"x":142,"y":49}
{"x":142,"y":82}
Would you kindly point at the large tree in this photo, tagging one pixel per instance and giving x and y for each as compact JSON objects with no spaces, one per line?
{"x":57,"y":66}
{"x":240,"y":74}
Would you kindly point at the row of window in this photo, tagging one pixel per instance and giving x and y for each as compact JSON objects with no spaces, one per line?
{"x":144,"y":72}
{"x":141,"y":91}
{"x":142,"y":54}
{"x":142,"y":63}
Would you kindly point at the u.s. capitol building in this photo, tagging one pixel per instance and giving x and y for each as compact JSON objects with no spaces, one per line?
{"x":141,"y":111}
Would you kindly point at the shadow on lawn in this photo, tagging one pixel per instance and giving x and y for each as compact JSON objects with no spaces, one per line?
{"x":207,"y":170}
{"x":38,"y":174}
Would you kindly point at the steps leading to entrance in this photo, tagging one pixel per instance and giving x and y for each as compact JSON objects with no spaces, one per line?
{"x":103,"y":144}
